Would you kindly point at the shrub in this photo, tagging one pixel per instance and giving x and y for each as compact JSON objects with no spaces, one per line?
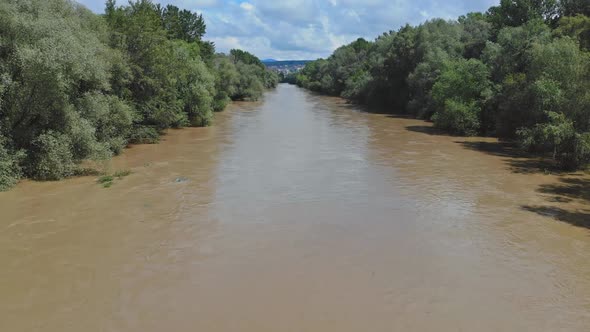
{"x":105,"y":179}
{"x":52,"y":158}
{"x":122,"y":173}
{"x":558,"y":135}
{"x":458,"y":118}
{"x":10,"y":170}
{"x":145,"y":135}
{"x":112,"y":117}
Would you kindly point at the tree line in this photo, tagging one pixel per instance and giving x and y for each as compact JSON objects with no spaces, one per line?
{"x":520,"y":71}
{"x":78,"y":86}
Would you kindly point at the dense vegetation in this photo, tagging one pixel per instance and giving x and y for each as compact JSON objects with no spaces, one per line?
{"x":519,"y":71}
{"x":77,"y":86}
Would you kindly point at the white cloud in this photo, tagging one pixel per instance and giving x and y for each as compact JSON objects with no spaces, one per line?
{"x":247,"y":6}
{"x":297,"y":29}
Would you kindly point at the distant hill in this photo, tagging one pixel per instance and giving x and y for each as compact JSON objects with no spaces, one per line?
{"x":287,"y":66}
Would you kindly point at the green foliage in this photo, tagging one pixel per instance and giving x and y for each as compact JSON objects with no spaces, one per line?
{"x":122,"y":173}
{"x":344,"y":72}
{"x":105,"y":178}
{"x":476,"y":32}
{"x":77,"y":86}
{"x":111,"y":117}
{"x":569,"y":147}
{"x":460,"y":93}
{"x":574,"y":7}
{"x":144,"y":135}
{"x":518,"y":12}
{"x":576,"y":27}
{"x":505,"y":73}
{"x":249,"y":86}
{"x":106,"y":181}
{"x":52,"y":157}
{"x":182,"y":24}
{"x":245,"y":58}
{"x":463,"y":80}
{"x":241,"y":76}
{"x":393,"y":62}
{"x":290,"y":78}
{"x":510,"y":53}
{"x":458,"y":117}
{"x":10,"y":170}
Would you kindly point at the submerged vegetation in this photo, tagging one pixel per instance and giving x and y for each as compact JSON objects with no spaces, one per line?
{"x":75,"y":85}
{"x":519,"y":71}
{"x":107,"y":180}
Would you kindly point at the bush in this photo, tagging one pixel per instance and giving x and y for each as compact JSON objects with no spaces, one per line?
{"x":122,"y":173}
{"x":52,"y":158}
{"x":10,"y":170}
{"x":105,"y":178}
{"x":458,"y":118}
{"x":81,"y":135}
{"x":459,"y":93}
{"x":558,"y":136}
{"x":145,"y":135}
{"x":220,"y":101}
{"x":112,"y":117}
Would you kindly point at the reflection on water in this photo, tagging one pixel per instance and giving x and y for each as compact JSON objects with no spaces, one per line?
{"x":300,"y":213}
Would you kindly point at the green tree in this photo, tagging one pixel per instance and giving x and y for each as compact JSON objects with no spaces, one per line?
{"x":53,"y":54}
{"x":506,"y":73}
{"x":569,"y":147}
{"x":513,"y":13}
{"x":77,"y":86}
{"x":476,"y":33}
{"x":182,"y":24}
{"x":460,"y":93}
{"x":577,"y":27}
{"x":574,"y":7}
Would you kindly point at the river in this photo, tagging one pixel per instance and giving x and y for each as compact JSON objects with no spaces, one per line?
{"x":300,"y":213}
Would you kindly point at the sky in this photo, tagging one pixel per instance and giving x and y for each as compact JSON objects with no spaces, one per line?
{"x":308,"y":29}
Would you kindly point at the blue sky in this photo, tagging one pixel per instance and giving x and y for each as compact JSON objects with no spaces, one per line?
{"x":308,"y":29}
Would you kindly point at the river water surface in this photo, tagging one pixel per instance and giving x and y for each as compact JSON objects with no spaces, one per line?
{"x":300,"y":213}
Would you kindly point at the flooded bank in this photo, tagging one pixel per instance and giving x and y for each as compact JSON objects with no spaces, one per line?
{"x":300,"y":213}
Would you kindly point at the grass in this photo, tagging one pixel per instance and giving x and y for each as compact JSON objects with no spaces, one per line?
{"x":122,"y":173}
{"x":107,"y":180}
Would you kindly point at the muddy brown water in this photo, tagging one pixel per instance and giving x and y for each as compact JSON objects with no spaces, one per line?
{"x":300,"y":213}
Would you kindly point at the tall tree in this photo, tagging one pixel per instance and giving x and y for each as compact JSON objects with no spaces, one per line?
{"x":517,"y":12}
{"x":182,"y":24}
{"x":574,"y":7}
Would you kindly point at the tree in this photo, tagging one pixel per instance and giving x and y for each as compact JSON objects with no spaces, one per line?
{"x":513,"y":13}
{"x":77,"y":86}
{"x":577,"y":27}
{"x":47,"y":71}
{"x":569,"y":147}
{"x":574,"y":7}
{"x":399,"y":59}
{"x":460,"y":93}
{"x":182,"y":24}
{"x":519,"y":71}
{"x":476,"y":32}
